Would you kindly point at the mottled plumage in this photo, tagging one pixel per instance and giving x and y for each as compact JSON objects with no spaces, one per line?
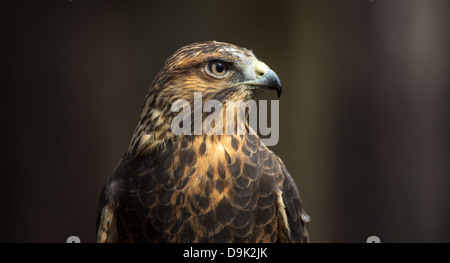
{"x":201,"y":188}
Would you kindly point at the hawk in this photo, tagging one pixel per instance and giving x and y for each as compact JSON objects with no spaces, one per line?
{"x":201,"y":188}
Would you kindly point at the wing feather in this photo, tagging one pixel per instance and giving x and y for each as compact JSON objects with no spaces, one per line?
{"x":293,"y":223}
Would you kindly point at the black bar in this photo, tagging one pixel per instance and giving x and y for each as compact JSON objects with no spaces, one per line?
{"x":167,"y":253}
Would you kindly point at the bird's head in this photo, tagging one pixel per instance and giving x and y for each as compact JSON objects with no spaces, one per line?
{"x":220,"y":71}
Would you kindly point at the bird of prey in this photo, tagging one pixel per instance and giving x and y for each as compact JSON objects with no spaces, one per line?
{"x":201,"y":188}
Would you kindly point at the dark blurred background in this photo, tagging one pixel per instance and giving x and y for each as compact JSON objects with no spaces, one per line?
{"x":364,"y":113}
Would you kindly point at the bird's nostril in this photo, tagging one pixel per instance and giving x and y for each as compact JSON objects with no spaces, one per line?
{"x":260,"y":69}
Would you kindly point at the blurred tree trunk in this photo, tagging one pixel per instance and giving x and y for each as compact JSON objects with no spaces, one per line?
{"x":411,"y":121}
{"x":393,"y":125}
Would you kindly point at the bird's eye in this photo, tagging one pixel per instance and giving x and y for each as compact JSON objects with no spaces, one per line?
{"x":218,"y":69}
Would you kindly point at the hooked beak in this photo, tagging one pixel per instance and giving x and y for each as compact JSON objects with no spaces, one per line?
{"x":266,"y":79}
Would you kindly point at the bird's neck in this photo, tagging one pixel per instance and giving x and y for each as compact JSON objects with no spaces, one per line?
{"x":158,"y":126}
